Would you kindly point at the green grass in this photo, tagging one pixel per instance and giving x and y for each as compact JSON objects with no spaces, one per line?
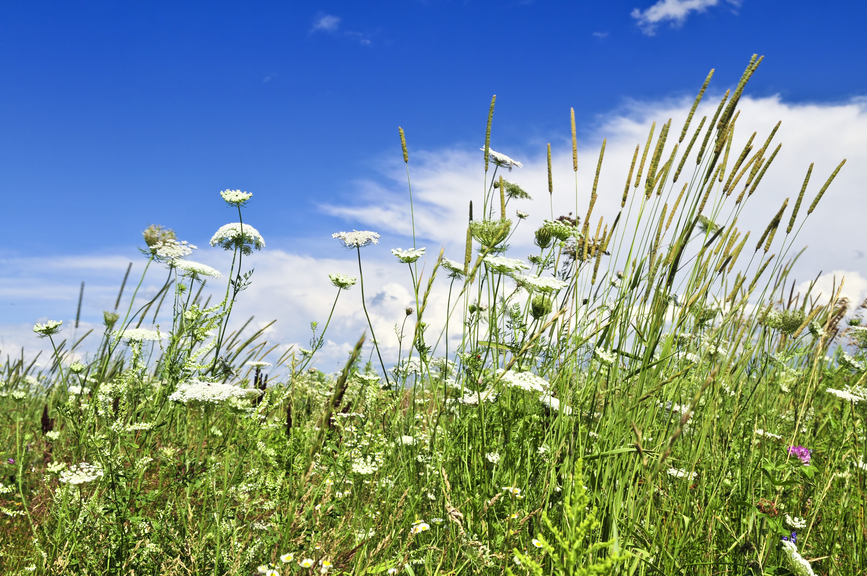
{"x":635,"y":422}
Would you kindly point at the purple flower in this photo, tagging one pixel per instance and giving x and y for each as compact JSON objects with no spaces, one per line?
{"x":803,"y":454}
{"x":11,"y":461}
{"x":793,"y":539}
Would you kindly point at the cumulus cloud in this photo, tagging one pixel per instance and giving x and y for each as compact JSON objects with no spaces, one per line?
{"x":676,"y":11}
{"x":292,"y":286}
{"x":326,"y":23}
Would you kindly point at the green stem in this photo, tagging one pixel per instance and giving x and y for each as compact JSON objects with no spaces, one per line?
{"x":366,"y":315}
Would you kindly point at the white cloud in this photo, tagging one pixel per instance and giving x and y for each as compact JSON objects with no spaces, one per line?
{"x":676,"y":11}
{"x":600,"y":34}
{"x":293,"y":287}
{"x":326,"y":23}
{"x":854,"y":287}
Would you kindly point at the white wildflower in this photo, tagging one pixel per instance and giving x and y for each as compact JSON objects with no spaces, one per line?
{"x":606,"y":358}
{"x":259,"y":364}
{"x":48,"y":329}
{"x":540,"y":283}
{"x":455,"y":269}
{"x":356,"y":238}
{"x":473,"y":398}
{"x":81,"y":473}
{"x":844,"y":395}
{"x":524,"y":380}
{"x":505,"y":265}
{"x":502,"y":160}
{"x":408,"y":256}
{"x":797,"y":563}
{"x":170,"y":249}
{"x":342,"y":281}
{"x":796,"y":523}
{"x":235,"y":197}
{"x":682,"y":473}
{"x":195,"y":268}
{"x":197,"y":392}
{"x":761,"y":432}
{"x":407,"y":440}
{"x":238,"y":236}
{"x":419,"y":527}
{"x":521,"y":214}
{"x":553,"y":403}
{"x":493,"y":457}
{"x":137,"y":335}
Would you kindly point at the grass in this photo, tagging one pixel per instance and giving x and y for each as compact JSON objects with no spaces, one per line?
{"x":670,"y":417}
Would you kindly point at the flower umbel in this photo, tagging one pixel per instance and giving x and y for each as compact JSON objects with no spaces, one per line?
{"x":356,"y":238}
{"x":342,"y":281}
{"x":502,"y":160}
{"x":231,"y":237}
{"x":408,"y":256}
{"x":235,"y":198}
{"x":48,"y":329}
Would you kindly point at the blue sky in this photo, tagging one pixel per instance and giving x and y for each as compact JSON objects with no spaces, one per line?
{"x":116,"y":115}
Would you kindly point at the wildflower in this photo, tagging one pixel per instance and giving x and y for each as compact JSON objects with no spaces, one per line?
{"x":844,"y":395}
{"x":536,"y":542}
{"x":553,"y":403}
{"x":137,"y":335}
{"x":306,"y":563}
{"x":437,"y":520}
{"x":50,"y":328}
{"x":803,"y":454}
{"x":326,"y":565}
{"x":407,"y":440}
{"x":195,"y":268}
{"x":193,"y":392}
{"x":473,"y":398}
{"x":605,"y":358}
{"x":456,"y":270}
{"x":512,"y":490}
{"x":502,"y":160}
{"x":559,"y":229}
{"x":761,"y":432}
{"x":235,"y":198}
{"x":237,"y":236}
{"x":81,"y":473}
{"x":521,"y":214}
{"x":419,"y":527}
{"x":505,"y":265}
{"x":524,"y":380}
{"x":796,"y":523}
{"x":258,"y":364}
{"x":540,"y":283}
{"x":493,"y":457}
{"x":408,"y":256}
{"x":170,"y":249}
{"x":342,"y":281}
{"x":682,"y":473}
{"x":392,"y":571}
{"x":797,"y":562}
{"x":77,"y":367}
{"x":365,"y":467}
{"x":356,"y":238}
{"x":267,"y":570}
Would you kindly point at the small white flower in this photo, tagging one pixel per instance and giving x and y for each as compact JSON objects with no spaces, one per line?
{"x":81,"y":473}
{"x":419,"y":527}
{"x":606,"y":358}
{"x":493,"y":457}
{"x":238,"y":236}
{"x":48,"y":329}
{"x":356,"y":238}
{"x":553,"y":403}
{"x":170,"y":249}
{"x":77,"y":368}
{"x":408,"y":256}
{"x":682,"y":473}
{"x":306,"y":563}
{"x":455,"y":269}
{"x":235,"y":197}
{"x":524,"y":380}
{"x":799,"y":566}
{"x":540,"y":283}
{"x":844,"y":395}
{"x":194,"y":392}
{"x":796,"y":523}
{"x":342,"y":281}
{"x":137,"y":335}
{"x":407,"y":440}
{"x":502,"y":160}
{"x":521,"y":214}
{"x":537,"y":543}
{"x":761,"y":432}
{"x":473,"y":398}
{"x":505,"y":265}
{"x":195,"y":268}
{"x":258,"y":364}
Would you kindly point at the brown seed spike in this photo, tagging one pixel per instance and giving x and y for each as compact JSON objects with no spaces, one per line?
{"x":488,"y":132}
{"x":825,"y":187}
{"x":644,"y":154}
{"x":676,"y":204}
{"x":654,"y":163}
{"x":574,"y":143}
{"x":502,"y":199}
{"x":550,"y":179}
{"x":403,"y":145}
{"x":694,"y":106}
{"x":710,"y":128}
{"x":764,"y":169}
{"x":629,"y":177}
{"x":688,"y":149}
{"x":596,"y":178}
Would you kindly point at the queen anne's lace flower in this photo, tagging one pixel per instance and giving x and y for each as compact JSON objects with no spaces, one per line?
{"x":81,"y":473}
{"x":170,"y":249}
{"x":502,"y":160}
{"x":198,"y":392}
{"x":553,"y":403}
{"x":196,"y":268}
{"x":455,"y":269}
{"x":473,"y":398}
{"x":235,"y":197}
{"x":682,"y":473}
{"x":844,"y":395}
{"x":342,"y":281}
{"x":505,"y":265}
{"x":137,"y":335}
{"x":524,"y":380}
{"x":356,"y":238}
{"x":408,"y":256}
{"x":48,"y":329}
{"x":797,"y":563}
{"x":231,"y":237}
{"x":540,"y":283}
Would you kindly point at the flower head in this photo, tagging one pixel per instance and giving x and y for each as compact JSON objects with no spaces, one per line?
{"x":797,"y":562}
{"x":844,"y":395}
{"x":540,"y":283}
{"x":238,"y":236}
{"x":456,"y":269}
{"x":342,"y":281}
{"x":170,"y":249}
{"x":356,"y":238}
{"x":802,"y":453}
{"x":81,"y":473}
{"x":524,"y":380}
{"x":137,"y":335}
{"x":258,"y":364}
{"x":48,"y":329}
{"x":502,"y":160}
{"x":521,"y":214}
{"x":408,"y":256}
{"x":306,"y":563}
{"x":194,"y":269}
{"x":235,"y":197}
{"x":505,"y":265}
{"x":198,"y":392}
{"x":419,"y":527}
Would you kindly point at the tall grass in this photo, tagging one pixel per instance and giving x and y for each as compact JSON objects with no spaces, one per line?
{"x":632,"y":399}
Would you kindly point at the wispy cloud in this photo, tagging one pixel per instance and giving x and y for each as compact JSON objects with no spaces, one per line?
{"x":676,"y":11}
{"x":326,"y":23}
{"x":600,"y":34}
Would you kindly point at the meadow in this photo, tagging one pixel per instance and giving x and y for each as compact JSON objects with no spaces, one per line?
{"x":642,"y":399}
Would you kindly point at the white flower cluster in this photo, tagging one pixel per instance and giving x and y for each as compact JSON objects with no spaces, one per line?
{"x":409,"y":255}
{"x":505,"y":265}
{"x":195,"y":268}
{"x":342,"y":281}
{"x":606,"y":358}
{"x":49,"y":328}
{"x":540,"y":283}
{"x":797,"y":563}
{"x":845,"y":395}
{"x":761,"y":432}
{"x":554,"y":403}
{"x":493,"y":457}
{"x":682,"y":473}
{"x":796,"y":523}
{"x":524,"y":380}
{"x":502,"y":160}
{"x":235,"y":197}
{"x":198,"y":392}
{"x":356,"y":238}
{"x":137,"y":335}
{"x":473,"y":398}
{"x":81,"y":473}
{"x":171,"y":249}
{"x":454,"y":268}
{"x":235,"y":235}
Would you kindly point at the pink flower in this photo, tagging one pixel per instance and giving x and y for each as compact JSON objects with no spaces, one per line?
{"x":803,"y":454}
